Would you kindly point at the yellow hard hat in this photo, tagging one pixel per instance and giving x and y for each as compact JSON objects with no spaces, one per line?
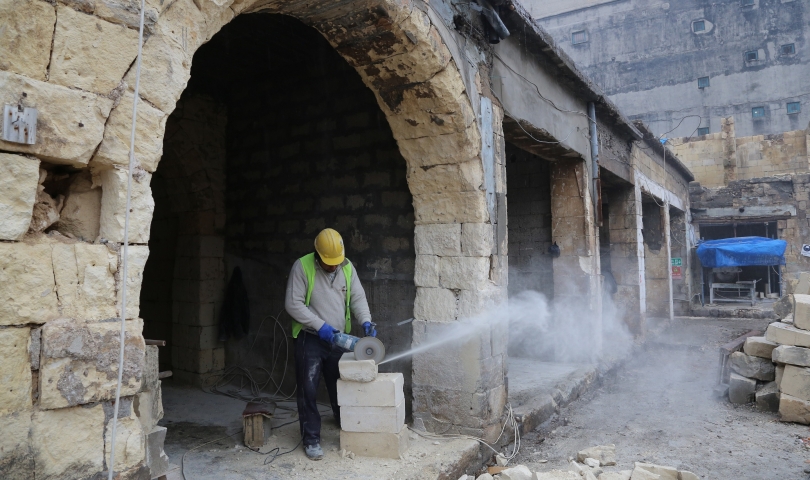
{"x":329,"y":245}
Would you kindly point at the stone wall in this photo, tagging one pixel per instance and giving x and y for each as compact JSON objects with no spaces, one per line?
{"x":656,"y":258}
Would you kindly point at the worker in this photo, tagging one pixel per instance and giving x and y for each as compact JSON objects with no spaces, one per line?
{"x":323,"y":292}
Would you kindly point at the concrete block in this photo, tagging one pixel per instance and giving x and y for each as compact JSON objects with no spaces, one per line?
{"x":796,"y":382}
{"x":752,"y":367}
{"x":373,"y":419}
{"x":381,"y":445}
{"x":791,"y":355}
{"x":156,"y":459}
{"x":15,"y":375}
{"x":785,"y":334}
{"x":353,"y":370}
{"x":26,"y":284}
{"x":385,"y":391}
{"x":792,"y":409}
{"x":665,"y":473}
{"x":606,"y":454}
{"x":19,"y":178}
{"x":801,"y":311}
{"x":741,"y":389}
{"x":767,"y":398}
{"x":758,"y":347}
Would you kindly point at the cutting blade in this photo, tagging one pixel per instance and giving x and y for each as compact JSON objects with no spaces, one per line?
{"x":369,"y":348}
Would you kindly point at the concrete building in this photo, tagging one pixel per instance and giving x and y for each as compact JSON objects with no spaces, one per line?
{"x":261,"y":122}
{"x":681,"y":67}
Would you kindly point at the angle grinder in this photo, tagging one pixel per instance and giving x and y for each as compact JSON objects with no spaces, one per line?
{"x":366,"y":348}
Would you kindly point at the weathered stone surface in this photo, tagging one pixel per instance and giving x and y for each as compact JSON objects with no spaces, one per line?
{"x":113,"y":206}
{"x":666,"y":473}
{"x":461,"y":177}
{"x":15,"y":374}
{"x":801,"y":311}
{"x":156,"y":458}
{"x":70,"y":123}
{"x":19,"y":177}
{"x":77,"y":455}
{"x":438,"y":239}
{"x":381,"y":445}
{"x":124,"y":12}
{"x":150,"y":369}
{"x":353,"y":370}
{"x":605,"y":454}
{"x":90,"y":53}
{"x":46,"y":208}
{"x":752,"y":367}
{"x":452,"y":148}
{"x":130,"y":447}
{"x":792,"y":409}
{"x":427,"y":271}
{"x":518,"y":472}
{"x":150,"y":127}
{"x":450,"y":207}
{"x":373,"y":419}
{"x":477,"y":239}
{"x":27,"y":284}
{"x":138,"y":254}
{"x":464,"y":273}
{"x":435,"y":305}
{"x":16,"y":460}
{"x":81,"y":212}
{"x":558,"y":475}
{"x":25,"y":38}
{"x":783,"y":307}
{"x":741,"y":389}
{"x":785,"y":334}
{"x":80,"y":361}
{"x":796,"y":382}
{"x":85,"y":280}
{"x":385,"y":391}
{"x":793,"y":355}
{"x":758,"y":347}
{"x":642,"y":474}
{"x":767,"y":398}
{"x":148,"y":406}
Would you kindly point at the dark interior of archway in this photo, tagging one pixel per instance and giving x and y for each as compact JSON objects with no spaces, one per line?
{"x":275,"y":138}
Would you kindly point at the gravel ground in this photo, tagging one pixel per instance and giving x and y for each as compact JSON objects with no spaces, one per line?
{"x":660,"y":409}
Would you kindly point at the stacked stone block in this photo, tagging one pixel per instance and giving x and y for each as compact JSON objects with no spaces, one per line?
{"x":372,"y":409}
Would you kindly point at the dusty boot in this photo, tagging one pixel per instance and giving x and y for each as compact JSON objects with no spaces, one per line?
{"x":314,"y":452}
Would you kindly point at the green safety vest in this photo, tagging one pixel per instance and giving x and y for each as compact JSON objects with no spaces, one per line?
{"x":308,"y":264}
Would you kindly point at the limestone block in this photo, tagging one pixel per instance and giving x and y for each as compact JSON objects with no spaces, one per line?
{"x":427,"y":271}
{"x":803,"y":286}
{"x":80,"y":43}
{"x":16,"y":460}
{"x":385,"y":391}
{"x":149,"y":130}
{"x":452,"y":148}
{"x":477,"y":239}
{"x":785,"y":334}
{"x":450,"y":207}
{"x":70,"y":123}
{"x":148,"y":405}
{"x":741,"y":389}
{"x":443,"y":240}
{"x":19,"y":178}
{"x":558,"y":475}
{"x":80,"y":361}
{"x":780,"y":372}
{"x":136,"y":262}
{"x":767,"y":398}
{"x":156,"y":458}
{"x":25,"y":39}
{"x":27,"y":284}
{"x":758,"y":347}
{"x":461,"y":177}
{"x":113,"y":206}
{"x":464,"y":273}
{"x":353,"y":370}
{"x":801,"y":311}
{"x":783,"y":307}
{"x":81,"y":212}
{"x":151,"y":368}
{"x":373,"y":419}
{"x":77,"y":455}
{"x":792,"y":409}
{"x":752,"y":367}
{"x":130,"y":446}
{"x":793,"y":355}
{"x":796,"y":382}
{"x":606,"y":454}
{"x":435,"y":305}
{"x":518,"y":472}
{"x":621,"y":475}
{"x":687,"y":475}
{"x":15,"y":375}
{"x":85,"y":280}
{"x":381,"y":445}
{"x":642,"y":474}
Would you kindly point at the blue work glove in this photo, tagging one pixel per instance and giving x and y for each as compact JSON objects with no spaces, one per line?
{"x":369,"y":330}
{"x":327,"y":332}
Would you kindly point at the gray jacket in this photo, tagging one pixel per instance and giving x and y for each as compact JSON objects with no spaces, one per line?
{"x":328,"y":300}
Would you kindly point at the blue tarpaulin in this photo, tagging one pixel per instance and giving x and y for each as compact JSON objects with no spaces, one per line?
{"x":742,"y":252}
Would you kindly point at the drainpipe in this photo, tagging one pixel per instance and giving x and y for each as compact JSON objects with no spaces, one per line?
{"x":597,"y":190}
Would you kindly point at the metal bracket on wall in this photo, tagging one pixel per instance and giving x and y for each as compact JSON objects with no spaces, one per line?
{"x":19,"y":124}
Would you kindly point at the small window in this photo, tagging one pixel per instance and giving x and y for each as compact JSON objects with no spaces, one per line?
{"x":579,"y":37}
{"x":699,"y":26}
{"x":703,"y":131}
{"x":751,"y":55}
{"x":788,"y":49}
{"x":747,"y":3}
{"x":703,"y":82}
{"x":758,"y":112}
{"x":794,"y":107}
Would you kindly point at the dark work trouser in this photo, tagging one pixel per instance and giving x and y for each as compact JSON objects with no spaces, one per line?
{"x":313,"y":356}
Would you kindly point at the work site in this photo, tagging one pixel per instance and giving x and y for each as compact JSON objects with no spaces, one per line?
{"x":404,"y":240}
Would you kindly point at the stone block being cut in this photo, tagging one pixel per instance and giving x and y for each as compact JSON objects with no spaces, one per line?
{"x":796,"y":382}
{"x":758,"y":347}
{"x":791,"y":355}
{"x":785,"y":334}
{"x":384,"y":391}
{"x":741,"y":389}
{"x":381,"y":445}
{"x":373,"y":419}
{"x":353,"y":370}
{"x":752,"y":367}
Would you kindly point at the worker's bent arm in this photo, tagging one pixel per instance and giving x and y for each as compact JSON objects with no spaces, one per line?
{"x":296,"y":297}
{"x":359,"y":304}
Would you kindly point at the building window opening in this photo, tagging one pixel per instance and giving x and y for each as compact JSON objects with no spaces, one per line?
{"x":699,"y":26}
{"x":794,"y":107}
{"x":788,"y":49}
{"x":751,"y":56}
{"x":578,"y":37}
{"x":702,"y":131}
{"x":758,"y":112}
{"x":703,"y":82}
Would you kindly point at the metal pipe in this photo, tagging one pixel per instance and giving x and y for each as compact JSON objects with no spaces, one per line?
{"x":594,"y":159}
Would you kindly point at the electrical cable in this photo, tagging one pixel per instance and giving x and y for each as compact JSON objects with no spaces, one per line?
{"x":124,"y":274}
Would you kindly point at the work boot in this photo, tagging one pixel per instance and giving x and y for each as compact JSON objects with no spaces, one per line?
{"x":314,"y":452}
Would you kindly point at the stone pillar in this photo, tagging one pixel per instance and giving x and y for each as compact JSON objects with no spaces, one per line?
{"x":627,"y":257}
{"x":577,"y":279}
{"x":657,"y":271}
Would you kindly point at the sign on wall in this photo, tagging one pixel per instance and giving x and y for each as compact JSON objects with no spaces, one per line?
{"x":677,"y":269}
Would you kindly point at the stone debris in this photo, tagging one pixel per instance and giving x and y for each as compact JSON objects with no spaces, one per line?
{"x":519,"y":472}
{"x":578,"y":471}
{"x":591,"y":462}
{"x":605,"y":454}
{"x":666,"y":473}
